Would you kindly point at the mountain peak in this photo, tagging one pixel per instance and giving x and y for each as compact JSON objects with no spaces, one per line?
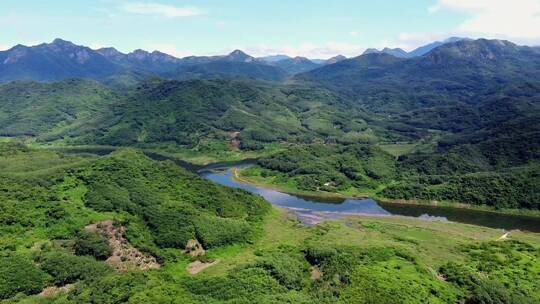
{"x":370,"y":51}
{"x":62,"y":42}
{"x":238,"y":53}
{"x":397,"y":52}
{"x":109,"y":52}
{"x":479,"y":49}
{"x":239,"y":56}
{"x":336,"y":59}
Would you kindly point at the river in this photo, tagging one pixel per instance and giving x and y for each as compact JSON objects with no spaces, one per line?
{"x":311,"y":210}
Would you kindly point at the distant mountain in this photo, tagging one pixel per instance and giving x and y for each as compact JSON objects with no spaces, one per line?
{"x":397,"y":52}
{"x":155,"y":62}
{"x":237,"y":56}
{"x":400,"y":53}
{"x":295,"y":65}
{"x":57,"y":60}
{"x":227,"y":69}
{"x":462,"y":71}
{"x":427,"y":48}
{"x":274,"y":58}
{"x":62,"y":59}
{"x":299,"y":64}
{"x":335,"y":59}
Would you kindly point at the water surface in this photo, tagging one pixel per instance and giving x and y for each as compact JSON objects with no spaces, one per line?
{"x":313,"y":209}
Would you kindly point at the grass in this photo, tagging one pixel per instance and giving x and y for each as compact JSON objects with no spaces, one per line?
{"x":434,"y":243}
{"x":222,"y":153}
{"x":281,"y":240}
{"x":279,"y":227}
{"x":398,"y":149}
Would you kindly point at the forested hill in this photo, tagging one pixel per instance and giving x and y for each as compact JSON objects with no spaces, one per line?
{"x":466,"y":107}
{"x":183,"y":113}
{"x":468,"y":71}
{"x":481,"y":91}
{"x":468,"y":88}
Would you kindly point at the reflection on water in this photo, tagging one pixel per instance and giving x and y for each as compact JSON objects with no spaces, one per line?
{"x":312,"y":210}
{"x":351,"y":206}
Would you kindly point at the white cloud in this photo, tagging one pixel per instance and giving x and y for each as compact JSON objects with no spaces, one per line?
{"x":354,"y":33}
{"x":517,"y":20}
{"x":162,"y":10}
{"x":169,"y":49}
{"x":4,"y":47}
{"x":309,"y":50}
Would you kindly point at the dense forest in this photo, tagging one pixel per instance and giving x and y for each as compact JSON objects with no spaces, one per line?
{"x":462,"y":174}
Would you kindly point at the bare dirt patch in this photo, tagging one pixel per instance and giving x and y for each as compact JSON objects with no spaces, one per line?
{"x":54,"y":290}
{"x":124,"y":256}
{"x":234,"y":141}
{"x":198,"y":266}
{"x":194,"y":248}
{"x":315,"y":273}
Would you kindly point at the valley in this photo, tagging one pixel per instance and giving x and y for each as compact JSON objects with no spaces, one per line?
{"x":390,"y":177}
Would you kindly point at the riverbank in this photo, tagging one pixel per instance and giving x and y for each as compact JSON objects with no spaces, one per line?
{"x":237,"y":175}
{"x":289,"y":189}
{"x":262,"y":182}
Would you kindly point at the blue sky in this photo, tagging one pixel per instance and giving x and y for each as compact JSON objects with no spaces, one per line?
{"x":313,"y":28}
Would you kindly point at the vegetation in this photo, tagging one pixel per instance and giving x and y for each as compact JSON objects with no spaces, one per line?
{"x":468,"y":134}
{"x":375,"y":125}
{"x":260,"y":254}
{"x":361,"y":170}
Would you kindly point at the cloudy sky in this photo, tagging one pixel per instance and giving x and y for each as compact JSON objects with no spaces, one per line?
{"x":311,"y":28}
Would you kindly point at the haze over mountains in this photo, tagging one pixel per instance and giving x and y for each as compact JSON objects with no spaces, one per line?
{"x":62,"y":59}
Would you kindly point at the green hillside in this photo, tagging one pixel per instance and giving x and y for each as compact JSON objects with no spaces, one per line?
{"x":112,"y":229}
{"x":466,"y":112}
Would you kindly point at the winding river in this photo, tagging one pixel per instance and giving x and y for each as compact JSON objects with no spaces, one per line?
{"x":311,"y":210}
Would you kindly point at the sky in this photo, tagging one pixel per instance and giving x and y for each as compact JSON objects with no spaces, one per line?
{"x":310,"y":28}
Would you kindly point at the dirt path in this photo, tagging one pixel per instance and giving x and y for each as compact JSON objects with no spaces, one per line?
{"x":504,"y":237}
{"x":198,"y":266}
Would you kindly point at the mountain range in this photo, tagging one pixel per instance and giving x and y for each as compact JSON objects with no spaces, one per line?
{"x":469,"y":106}
{"x":420,"y":51}
{"x":63,"y":59}
{"x":456,"y":126}
{"x":468,"y":87}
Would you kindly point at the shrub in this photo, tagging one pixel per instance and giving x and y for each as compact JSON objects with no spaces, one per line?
{"x":18,"y":274}
{"x":92,"y":244}
{"x":214,"y":232}
{"x":287,"y":268}
{"x":66,"y":268}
